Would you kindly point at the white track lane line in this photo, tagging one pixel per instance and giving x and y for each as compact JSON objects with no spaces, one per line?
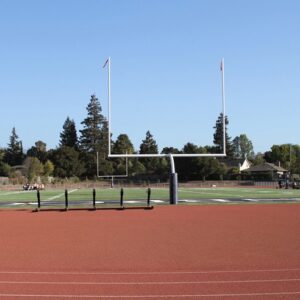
{"x":151,"y":282}
{"x":152,"y":296}
{"x":152,"y":273}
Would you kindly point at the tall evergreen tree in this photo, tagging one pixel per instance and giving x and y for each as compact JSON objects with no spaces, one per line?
{"x":14,"y":152}
{"x":149,"y":146}
{"x":94,"y":128}
{"x":123,"y":145}
{"x":218,"y":136}
{"x":93,"y":139}
{"x":68,"y":137}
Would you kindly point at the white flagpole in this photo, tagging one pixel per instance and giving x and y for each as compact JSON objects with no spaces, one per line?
{"x":109,"y":108}
{"x":223,"y":107}
{"x":107,"y":62}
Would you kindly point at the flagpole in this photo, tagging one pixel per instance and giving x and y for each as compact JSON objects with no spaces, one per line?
{"x":223,"y":107}
{"x":109,"y":108}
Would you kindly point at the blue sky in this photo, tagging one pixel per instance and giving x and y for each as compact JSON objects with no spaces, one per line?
{"x":165,"y":68}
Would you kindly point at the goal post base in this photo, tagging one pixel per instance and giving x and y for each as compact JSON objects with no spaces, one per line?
{"x":173,"y":188}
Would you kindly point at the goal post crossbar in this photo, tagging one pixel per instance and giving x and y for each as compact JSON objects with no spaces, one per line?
{"x":168,"y":155}
{"x":223,"y":154}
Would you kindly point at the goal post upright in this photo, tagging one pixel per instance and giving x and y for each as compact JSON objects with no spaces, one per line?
{"x":223,"y":106}
{"x":173,"y":187}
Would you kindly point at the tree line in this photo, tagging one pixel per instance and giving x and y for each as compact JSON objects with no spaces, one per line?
{"x":75,"y":156}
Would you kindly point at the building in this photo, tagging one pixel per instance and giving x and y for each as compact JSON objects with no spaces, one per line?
{"x":265,"y":171}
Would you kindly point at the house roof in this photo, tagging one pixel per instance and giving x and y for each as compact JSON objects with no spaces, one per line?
{"x":265,"y":167}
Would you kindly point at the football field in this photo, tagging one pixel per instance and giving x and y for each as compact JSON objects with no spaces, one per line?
{"x":138,"y":196}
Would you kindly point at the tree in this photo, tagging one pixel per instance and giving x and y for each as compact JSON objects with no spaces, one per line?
{"x":187,"y":167}
{"x":149,"y":146}
{"x":280,"y":154}
{"x":123,"y":145}
{"x":218,"y":136}
{"x":67,"y":162}
{"x":94,"y":128}
{"x":93,"y":139}
{"x":33,"y":168}
{"x":4,"y":169}
{"x":14,"y":152}
{"x":68,"y":137}
{"x":170,"y":150}
{"x":295,"y":167}
{"x":242,"y":147}
{"x":48,"y":168}
{"x":285,"y":154}
{"x":258,"y":159}
{"x":39,"y":151}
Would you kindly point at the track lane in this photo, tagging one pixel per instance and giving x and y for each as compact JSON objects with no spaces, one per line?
{"x":171,"y":252}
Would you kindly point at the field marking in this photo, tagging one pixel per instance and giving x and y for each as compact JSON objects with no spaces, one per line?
{"x":158,"y":201}
{"x":220,"y":200}
{"x":14,"y":193}
{"x":60,"y":195}
{"x":151,"y":282}
{"x":210,"y":191}
{"x":152,"y":296}
{"x":188,"y":200}
{"x":151,"y":273}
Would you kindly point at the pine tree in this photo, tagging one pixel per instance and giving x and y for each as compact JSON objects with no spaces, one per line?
{"x":218,"y":136}
{"x":68,"y":137}
{"x":123,"y":145}
{"x":94,"y":128}
{"x":149,"y":146}
{"x":93,"y":139}
{"x":14,"y":152}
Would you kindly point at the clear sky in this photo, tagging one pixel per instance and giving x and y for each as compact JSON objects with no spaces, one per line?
{"x":165,"y":68}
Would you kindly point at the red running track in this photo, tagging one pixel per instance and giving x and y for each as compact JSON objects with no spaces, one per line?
{"x":170,"y":252}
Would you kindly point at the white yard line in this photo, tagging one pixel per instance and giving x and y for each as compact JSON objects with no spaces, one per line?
{"x":220,"y":200}
{"x":19,"y":192}
{"x":157,"y":201}
{"x":60,"y":195}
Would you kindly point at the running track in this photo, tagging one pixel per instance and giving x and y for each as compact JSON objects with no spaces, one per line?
{"x":169,"y":252}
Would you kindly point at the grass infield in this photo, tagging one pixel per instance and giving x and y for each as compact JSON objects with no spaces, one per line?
{"x":141,"y":194}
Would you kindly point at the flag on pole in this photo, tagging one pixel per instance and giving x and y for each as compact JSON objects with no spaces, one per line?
{"x":221,"y":66}
{"x":105,"y":63}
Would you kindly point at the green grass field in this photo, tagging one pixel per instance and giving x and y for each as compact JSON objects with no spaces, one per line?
{"x":132,"y":194}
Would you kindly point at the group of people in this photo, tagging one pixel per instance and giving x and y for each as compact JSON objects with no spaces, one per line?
{"x":32,"y":187}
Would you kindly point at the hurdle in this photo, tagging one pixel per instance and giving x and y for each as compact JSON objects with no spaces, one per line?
{"x":88,"y":201}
